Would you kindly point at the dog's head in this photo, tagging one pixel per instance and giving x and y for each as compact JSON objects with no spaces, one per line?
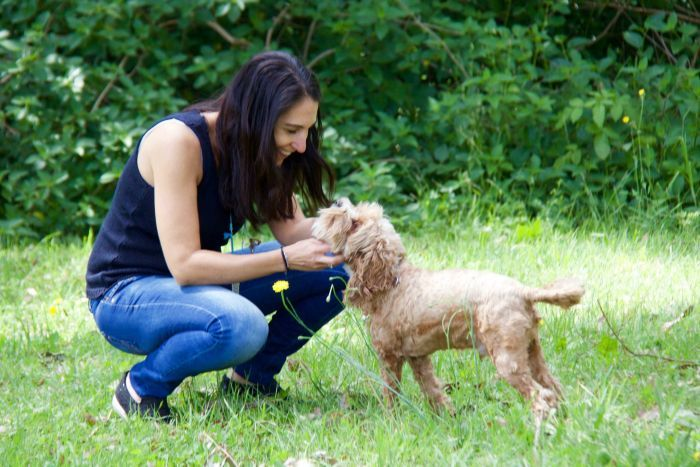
{"x":367,"y":240}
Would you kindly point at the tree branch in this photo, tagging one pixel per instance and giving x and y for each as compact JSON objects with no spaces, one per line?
{"x":664,"y":48}
{"x":275,"y":22}
{"x":605,"y":31}
{"x":6,"y":78}
{"x":435,"y":27}
{"x":168,"y":23}
{"x":320,"y":57}
{"x":307,"y":42}
{"x":138,"y":64}
{"x":689,"y":17}
{"x":234,"y":41}
{"x":109,"y":86}
{"x":434,"y":35}
{"x":9,"y":129}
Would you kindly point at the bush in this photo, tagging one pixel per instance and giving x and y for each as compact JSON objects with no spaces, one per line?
{"x":430,"y":106}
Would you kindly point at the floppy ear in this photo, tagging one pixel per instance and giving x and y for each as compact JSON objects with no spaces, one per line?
{"x":373,"y":270}
{"x":333,"y":226}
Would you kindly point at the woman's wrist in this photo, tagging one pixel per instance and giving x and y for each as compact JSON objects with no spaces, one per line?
{"x":284,"y":259}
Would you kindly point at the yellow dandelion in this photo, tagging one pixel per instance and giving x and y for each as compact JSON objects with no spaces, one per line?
{"x":625,"y":119}
{"x":53,"y":309}
{"x":696,"y":456}
{"x":641,"y":92}
{"x":280,"y":286}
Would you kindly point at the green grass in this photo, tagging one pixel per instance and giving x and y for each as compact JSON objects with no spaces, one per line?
{"x":57,"y":373}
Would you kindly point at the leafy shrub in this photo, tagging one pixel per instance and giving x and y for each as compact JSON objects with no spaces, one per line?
{"x":431,"y":107}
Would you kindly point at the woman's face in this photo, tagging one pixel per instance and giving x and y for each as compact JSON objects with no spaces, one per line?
{"x":292,"y":128}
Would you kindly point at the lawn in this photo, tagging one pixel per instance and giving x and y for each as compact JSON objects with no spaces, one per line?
{"x":57,"y":374}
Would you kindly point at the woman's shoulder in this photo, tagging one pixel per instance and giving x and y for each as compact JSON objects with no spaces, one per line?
{"x":170,"y":144}
{"x":172,"y":131}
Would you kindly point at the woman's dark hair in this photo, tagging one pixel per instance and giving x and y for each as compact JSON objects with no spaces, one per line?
{"x":251,"y":185}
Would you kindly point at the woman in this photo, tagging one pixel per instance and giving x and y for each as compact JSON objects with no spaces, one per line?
{"x":157,"y":282}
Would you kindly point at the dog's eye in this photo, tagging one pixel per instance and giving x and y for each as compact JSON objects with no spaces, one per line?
{"x":336,"y":203}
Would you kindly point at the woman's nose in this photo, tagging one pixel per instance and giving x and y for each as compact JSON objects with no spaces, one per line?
{"x":299,"y":144}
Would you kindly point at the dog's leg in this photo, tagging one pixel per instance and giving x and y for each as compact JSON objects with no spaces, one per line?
{"x":425,"y":375}
{"x":392,"y":367}
{"x":513,"y":365}
{"x":539,"y":369}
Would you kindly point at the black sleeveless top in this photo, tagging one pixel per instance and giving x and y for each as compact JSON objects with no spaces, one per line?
{"x":127,"y":243}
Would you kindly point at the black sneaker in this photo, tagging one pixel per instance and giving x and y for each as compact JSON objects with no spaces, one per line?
{"x":150,"y":407}
{"x":229,"y":386}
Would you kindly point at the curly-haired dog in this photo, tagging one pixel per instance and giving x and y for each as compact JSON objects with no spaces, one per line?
{"x":414,"y":312}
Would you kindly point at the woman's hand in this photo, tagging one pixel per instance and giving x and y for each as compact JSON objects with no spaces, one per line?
{"x":310,"y":255}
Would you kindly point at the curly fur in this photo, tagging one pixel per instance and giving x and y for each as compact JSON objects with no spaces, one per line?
{"x":414,"y":312}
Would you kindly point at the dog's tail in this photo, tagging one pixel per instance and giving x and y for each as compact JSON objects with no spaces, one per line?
{"x":563,"y":293}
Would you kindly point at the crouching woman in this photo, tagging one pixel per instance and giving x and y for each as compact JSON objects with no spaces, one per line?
{"x":157,"y":282}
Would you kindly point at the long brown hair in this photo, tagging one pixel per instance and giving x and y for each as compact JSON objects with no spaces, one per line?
{"x":251,"y":185}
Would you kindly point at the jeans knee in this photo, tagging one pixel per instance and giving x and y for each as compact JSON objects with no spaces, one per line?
{"x":240,"y":333}
{"x":252,"y":335}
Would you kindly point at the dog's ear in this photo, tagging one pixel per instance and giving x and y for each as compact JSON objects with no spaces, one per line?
{"x":373,"y":270}
{"x":334,"y":224}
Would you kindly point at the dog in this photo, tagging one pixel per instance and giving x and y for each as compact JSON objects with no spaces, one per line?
{"x":414,"y":312}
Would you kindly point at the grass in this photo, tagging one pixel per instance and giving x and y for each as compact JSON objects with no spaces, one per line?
{"x":57,"y":373}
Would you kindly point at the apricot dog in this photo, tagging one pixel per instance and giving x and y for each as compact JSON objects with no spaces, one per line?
{"x":414,"y":312}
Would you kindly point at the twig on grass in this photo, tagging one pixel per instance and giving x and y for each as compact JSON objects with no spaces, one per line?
{"x":228,"y":458}
{"x":684,"y":363}
{"x":669,"y":324}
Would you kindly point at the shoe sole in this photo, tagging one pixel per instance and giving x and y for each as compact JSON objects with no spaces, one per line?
{"x":118,"y":408}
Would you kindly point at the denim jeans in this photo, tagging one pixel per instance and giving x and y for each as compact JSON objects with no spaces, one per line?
{"x":188,"y":330}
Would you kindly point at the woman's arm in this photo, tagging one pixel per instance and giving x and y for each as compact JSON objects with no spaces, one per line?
{"x":170,"y":160}
{"x":298,"y":228}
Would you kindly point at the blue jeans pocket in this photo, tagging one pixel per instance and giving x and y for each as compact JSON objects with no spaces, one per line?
{"x":112,"y":291}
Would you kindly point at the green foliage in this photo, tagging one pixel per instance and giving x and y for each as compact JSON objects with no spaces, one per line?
{"x":528,"y":231}
{"x":607,"y":347}
{"x":428,"y":105}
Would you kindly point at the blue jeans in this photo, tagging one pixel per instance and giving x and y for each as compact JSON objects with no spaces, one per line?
{"x":185,"y":331}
